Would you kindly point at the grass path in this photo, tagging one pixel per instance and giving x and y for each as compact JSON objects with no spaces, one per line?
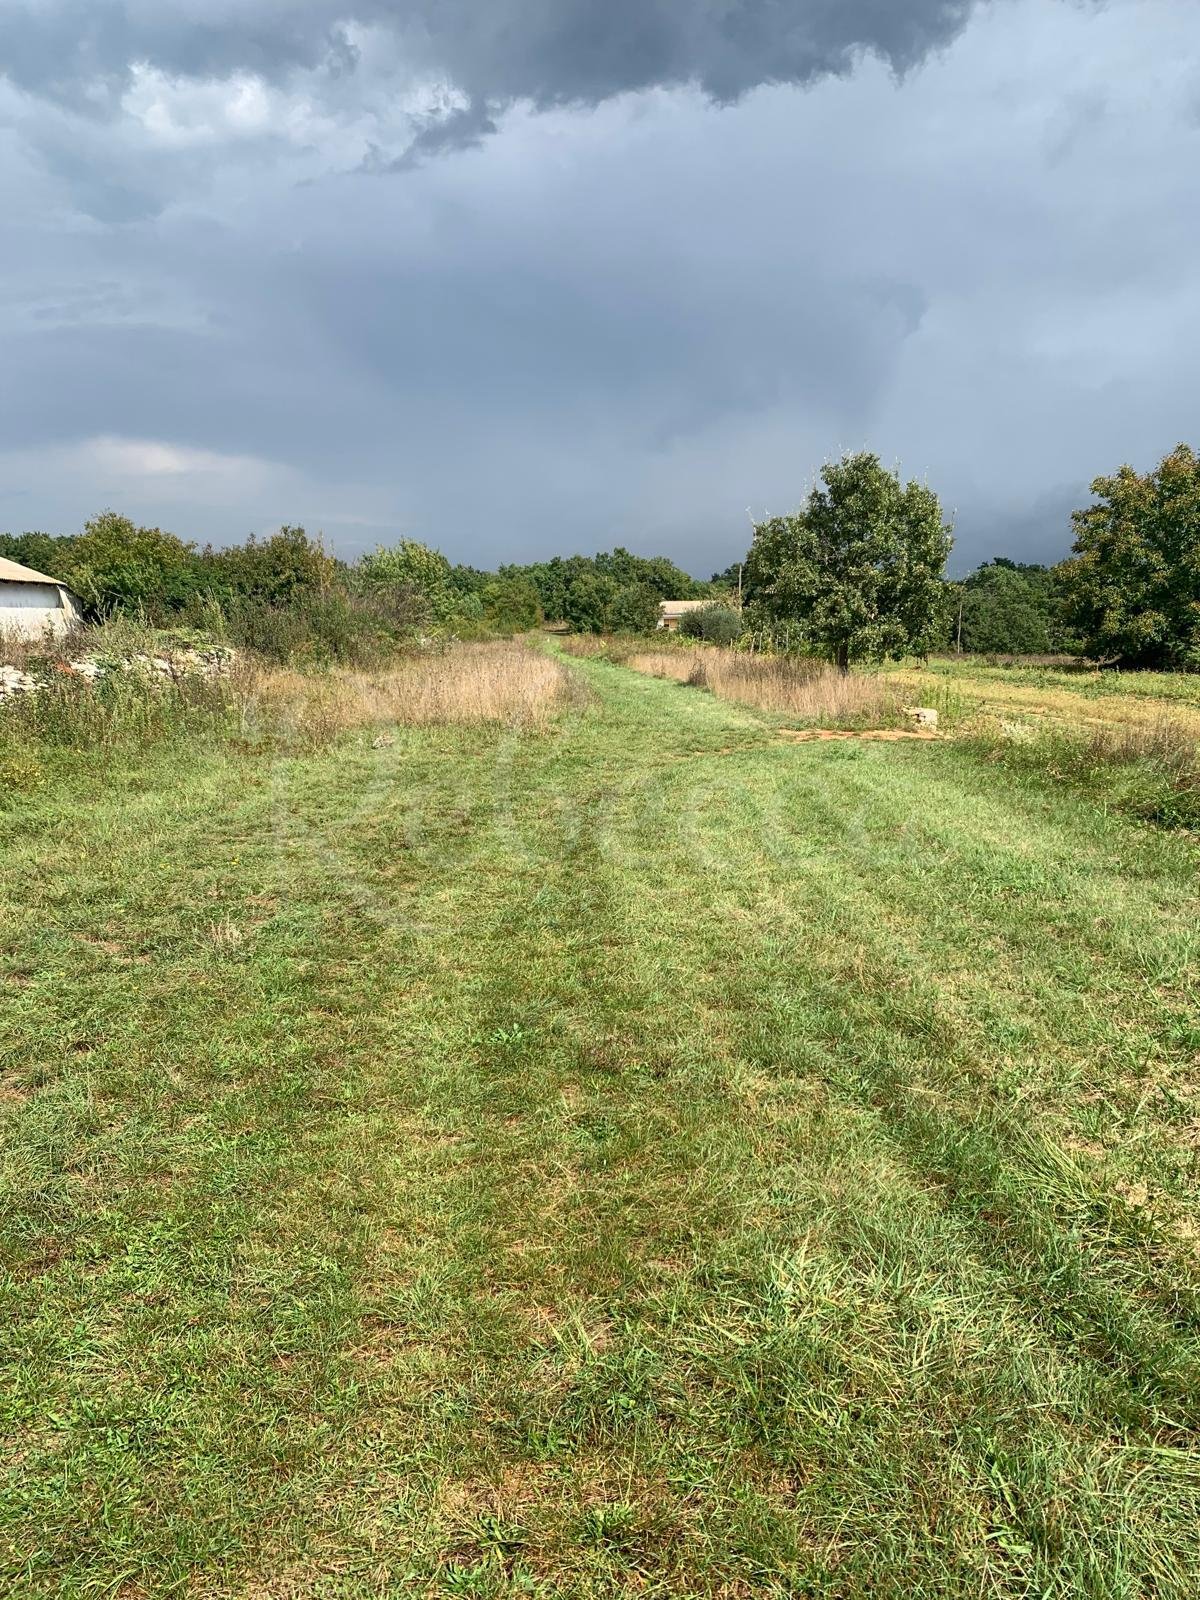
{"x":644,"y":1159}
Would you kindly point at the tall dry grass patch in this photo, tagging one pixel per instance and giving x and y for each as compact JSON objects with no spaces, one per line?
{"x":505,"y":682}
{"x":587,"y":645}
{"x":676,"y":664}
{"x":809,"y":692}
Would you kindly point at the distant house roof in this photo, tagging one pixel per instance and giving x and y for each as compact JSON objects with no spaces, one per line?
{"x":14,"y":572}
{"x":676,"y":608}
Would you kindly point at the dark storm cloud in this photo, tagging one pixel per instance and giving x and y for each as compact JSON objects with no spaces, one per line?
{"x":598,"y":317}
{"x":555,"y":50}
{"x":496,"y":51}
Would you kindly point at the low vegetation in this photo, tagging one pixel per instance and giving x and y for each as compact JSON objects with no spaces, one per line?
{"x":509,"y":683}
{"x":804,"y":692}
{"x":1050,"y":690}
{"x":133,"y":706}
{"x":1129,"y":741}
{"x":614,"y":1153}
{"x":100,"y":692}
{"x":1148,"y":769}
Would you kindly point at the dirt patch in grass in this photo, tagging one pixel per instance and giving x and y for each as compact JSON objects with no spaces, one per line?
{"x":815,"y":735}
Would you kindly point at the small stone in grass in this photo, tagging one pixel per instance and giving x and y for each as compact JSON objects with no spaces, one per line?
{"x":923,"y":716}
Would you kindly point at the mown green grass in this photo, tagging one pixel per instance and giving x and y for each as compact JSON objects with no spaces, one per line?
{"x":645,"y":1158}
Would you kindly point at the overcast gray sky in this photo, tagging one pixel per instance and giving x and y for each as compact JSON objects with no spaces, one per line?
{"x":532,"y":276}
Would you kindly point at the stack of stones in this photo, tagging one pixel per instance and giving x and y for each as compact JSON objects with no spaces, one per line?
{"x":210,"y":662}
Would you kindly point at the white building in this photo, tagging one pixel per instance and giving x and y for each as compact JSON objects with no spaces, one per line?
{"x":672,"y":612}
{"x":33,"y":605}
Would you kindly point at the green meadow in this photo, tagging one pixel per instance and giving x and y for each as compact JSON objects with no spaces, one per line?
{"x":629,"y":1155}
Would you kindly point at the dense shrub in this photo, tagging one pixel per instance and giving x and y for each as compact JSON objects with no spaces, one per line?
{"x":333,"y":625}
{"x":509,"y":605}
{"x":635,"y":609}
{"x":589,"y":604}
{"x":114,"y":565}
{"x":413,"y":575}
{"x":619,"y":570}
{"x":285,"y":567}
{"x":286,"y":596}
{"x":718,"y":624}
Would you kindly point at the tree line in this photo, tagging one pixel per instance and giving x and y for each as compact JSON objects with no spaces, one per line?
{"x":858,"y":572}
{"x":286,"y":595}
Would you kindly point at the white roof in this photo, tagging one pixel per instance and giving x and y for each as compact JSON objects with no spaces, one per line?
{"x":14,"y":572}
{"x":669,"y":607}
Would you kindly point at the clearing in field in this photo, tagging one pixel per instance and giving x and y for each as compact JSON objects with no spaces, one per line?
{"x":608,"y":1150}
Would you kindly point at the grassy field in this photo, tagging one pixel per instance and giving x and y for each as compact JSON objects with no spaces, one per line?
{"x":1078,"y":697}
{"x":639,"y":1156}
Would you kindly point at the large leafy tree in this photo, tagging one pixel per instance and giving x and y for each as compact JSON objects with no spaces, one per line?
{"x":729,"y":578}
{"x":44,"y":552}
{"x":856,"y":574}
{"x":589,"y":603}
{"x":635,"y":609}
{"x":1133,"y":585}
{"x":668,"y":581}
{"x":1009,"y":608}
{"x":552,"y":579}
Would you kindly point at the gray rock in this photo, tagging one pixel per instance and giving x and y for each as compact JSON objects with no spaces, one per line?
{"x":923,"y":716}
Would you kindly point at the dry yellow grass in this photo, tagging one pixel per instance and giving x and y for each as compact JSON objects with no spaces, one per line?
{"x":588,"y":645}
{"x":1008,"y":696}
{"x":677,"y":664}
{"x":506,"y":682}
{"x":806,"y":691}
